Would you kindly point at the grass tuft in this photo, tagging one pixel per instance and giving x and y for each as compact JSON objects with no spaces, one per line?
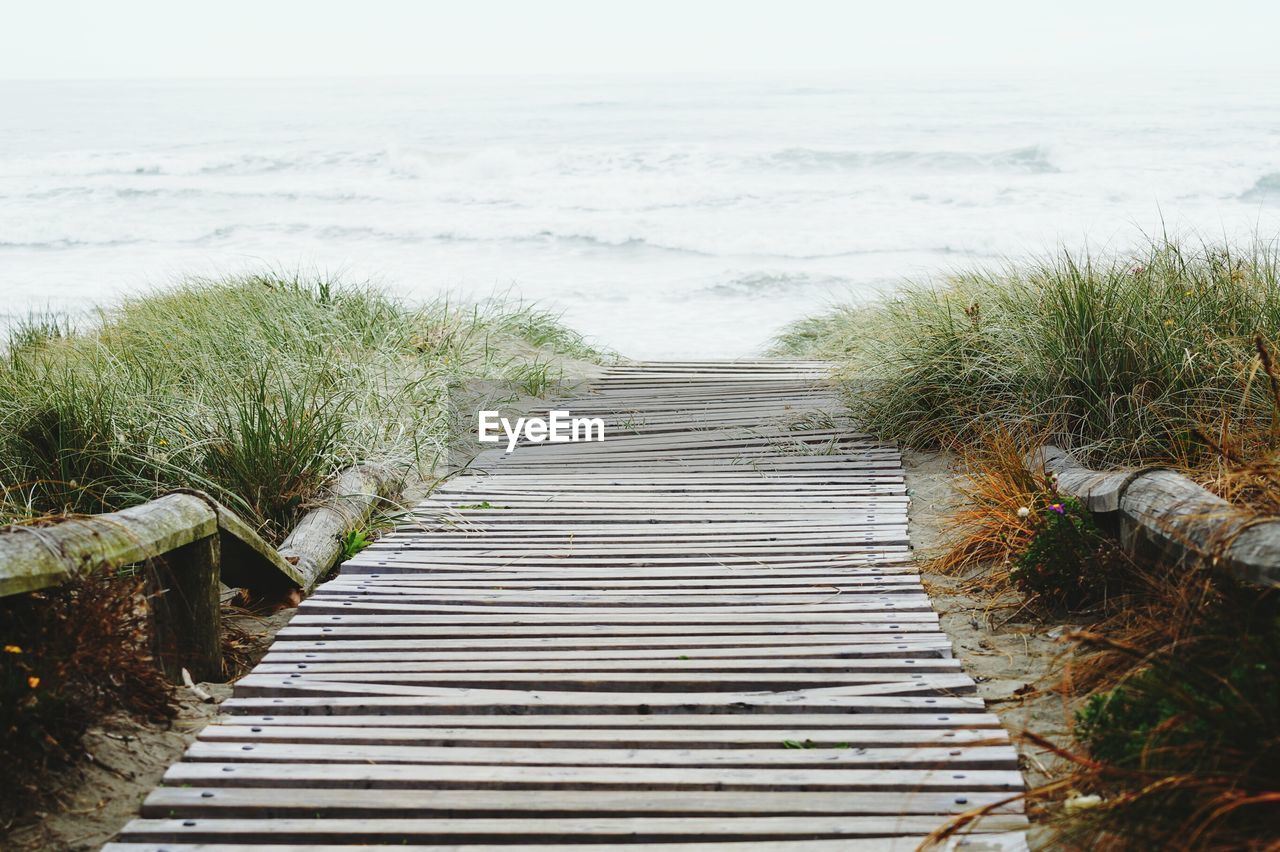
{"x":1119,"y":358}
{"x":256,"y":389}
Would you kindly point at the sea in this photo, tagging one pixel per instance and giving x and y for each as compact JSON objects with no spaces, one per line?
{"x":662,"y":216}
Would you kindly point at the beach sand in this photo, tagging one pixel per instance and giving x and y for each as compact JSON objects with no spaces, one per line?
{"x":1015,"y":659}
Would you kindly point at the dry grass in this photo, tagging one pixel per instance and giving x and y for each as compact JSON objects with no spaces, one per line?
{"x":1244,"y":464}
{"x":987,"y":531}
{"x":1181,"y":731}
{"x":1178,"y":732}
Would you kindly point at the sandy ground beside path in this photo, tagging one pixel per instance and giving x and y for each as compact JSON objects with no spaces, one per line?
{"x":1015,"y":658}
{"x":92,"y":800}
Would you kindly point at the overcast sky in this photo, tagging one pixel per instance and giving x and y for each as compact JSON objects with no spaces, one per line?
{"x":51,"y":39}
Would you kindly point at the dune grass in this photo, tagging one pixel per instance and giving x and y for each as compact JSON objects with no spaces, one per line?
{"x":1121,"y":358}
{"x":1167,"y":356}
{"x":255,"y":389}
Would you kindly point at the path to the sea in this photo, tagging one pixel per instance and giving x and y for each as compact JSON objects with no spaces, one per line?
{"x":704,"y":633}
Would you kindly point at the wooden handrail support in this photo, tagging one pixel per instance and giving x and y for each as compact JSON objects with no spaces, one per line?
{"x":1164,"y":510}
{"x":193,"y":542}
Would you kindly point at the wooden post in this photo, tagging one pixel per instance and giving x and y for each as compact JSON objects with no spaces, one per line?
{"x":187,"y":611}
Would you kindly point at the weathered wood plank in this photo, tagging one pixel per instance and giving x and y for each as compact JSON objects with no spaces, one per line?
{"x":550,"y":722}
{"x":959,"y":757}
{"x":182,"y":803}
{"x":630,"y":738}
{"x":985,"y":842}
{"x":497,"y":830}
{"x":364,"y":699}
{"x":364,"y":775}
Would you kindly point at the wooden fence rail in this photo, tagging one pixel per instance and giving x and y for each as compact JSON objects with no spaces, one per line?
{"x":195,"y":545}
{"x":1164,"y":510}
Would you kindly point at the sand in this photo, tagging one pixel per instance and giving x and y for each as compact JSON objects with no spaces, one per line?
{"x":1014,"y":657}
{"x":125,"y":759}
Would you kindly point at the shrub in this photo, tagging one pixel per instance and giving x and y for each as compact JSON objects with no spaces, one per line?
{"x":1066,"y":561}
{"x":66,"y":657}
{"x":1186,"y":747}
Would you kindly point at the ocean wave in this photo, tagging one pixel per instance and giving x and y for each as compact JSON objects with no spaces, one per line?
{"x":149,"y":171}
{"x":1031,"y":160}
{"x":186,"y":192}
{"x":622,"y":246}
{"x":1266,"y":188}
{"x":257,"y":164}
{"x":358,"y":233}
{"x":586,"y":241}
{"x":111,"y":192}
{"x":487,"y":164}
{"x":764,"y":284}
{"x":66,"y":243}
{"x":220,"y":165}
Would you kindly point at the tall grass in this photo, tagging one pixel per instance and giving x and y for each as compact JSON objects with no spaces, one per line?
{"x":1165,"y":356}
{"x":1122,"y":357}
{"x":256,"y":389}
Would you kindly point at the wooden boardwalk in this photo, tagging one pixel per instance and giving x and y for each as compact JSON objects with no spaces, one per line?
{"x":704,"y":633}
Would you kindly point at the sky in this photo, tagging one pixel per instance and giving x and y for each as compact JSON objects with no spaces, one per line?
{"x":127,"y":39}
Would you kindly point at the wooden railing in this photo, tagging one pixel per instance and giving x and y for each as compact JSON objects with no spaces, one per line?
{"x":195,"y":545}
{"x":1165,"y":511}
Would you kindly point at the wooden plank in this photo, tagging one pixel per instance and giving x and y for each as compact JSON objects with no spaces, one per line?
{"x":633,"y":685}
{"x":377,"y":699}
{"x":514,"y":582}
{"x":393,"y":624}
{"x":984,"y":842}
{"x":790,"y":613}
{"x":615,"y":738}
{"x":550,"y":722}
{"x":365,"y":699}
{"x":369,"y":776}
{"x":589,"y":662}
{"x":497,"y":830}
{"x":183,"y":803}
{"x":606,"y":601}
{"x":537,"y":584}
{"x":844,"y":645}
{"x":959,"y":757}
